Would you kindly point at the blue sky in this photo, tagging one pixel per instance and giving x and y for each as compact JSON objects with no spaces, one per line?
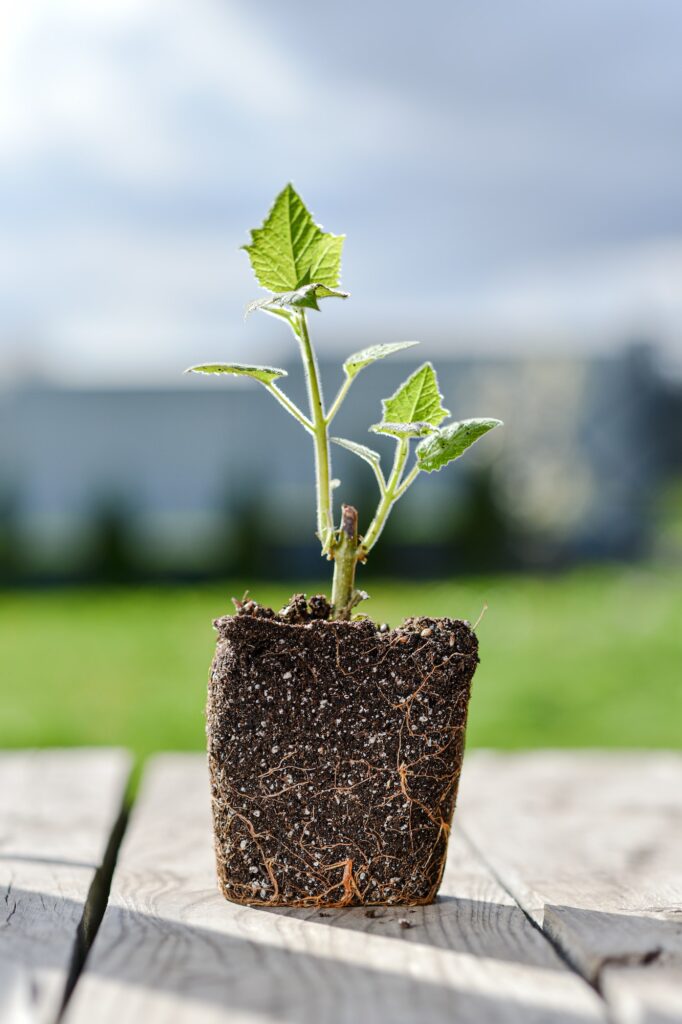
{"x":508,"y":174}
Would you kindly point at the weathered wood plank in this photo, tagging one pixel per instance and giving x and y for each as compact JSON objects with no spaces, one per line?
{"x":590,"y":844}
{"x":57,"y":813}
{"x":172,"y":950}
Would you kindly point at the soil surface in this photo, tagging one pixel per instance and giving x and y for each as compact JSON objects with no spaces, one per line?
{"x":335,"y":750}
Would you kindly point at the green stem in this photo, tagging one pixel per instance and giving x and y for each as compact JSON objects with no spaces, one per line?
{"x":380,"y":477}
{"x":390,"y":495}
{"x":325,"y":528}
{"x":290,"y":407}
{"x":336,"y":404}
{"x":409,"y":479}
{"x":345,"y":563}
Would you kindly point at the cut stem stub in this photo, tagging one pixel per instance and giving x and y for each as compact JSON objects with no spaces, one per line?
{"x":345,"y":555}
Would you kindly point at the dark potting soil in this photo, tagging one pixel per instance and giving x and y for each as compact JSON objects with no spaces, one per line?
{"x":335,"y":750}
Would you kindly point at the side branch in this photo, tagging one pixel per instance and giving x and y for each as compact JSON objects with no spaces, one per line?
{"x":409,"y":479}
{"x":290,"y":407}
{"x":338,"y":401}
{"x":389,"y":497}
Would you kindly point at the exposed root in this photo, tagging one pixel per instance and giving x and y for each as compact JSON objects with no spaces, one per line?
{"x":335,"y":752}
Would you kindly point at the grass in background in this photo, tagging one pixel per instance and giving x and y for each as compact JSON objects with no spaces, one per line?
{"x":593,"y":658}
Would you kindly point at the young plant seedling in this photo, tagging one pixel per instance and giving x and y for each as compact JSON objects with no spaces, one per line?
{"x":299,"y":264}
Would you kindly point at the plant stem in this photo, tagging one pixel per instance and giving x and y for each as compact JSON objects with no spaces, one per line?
{"x":345,"y":562}
{"x":336,"y":404}
{"x":380,"y":477}
{"x":325,"y":527}
{"x":290,"y":407}
{"x":391,"y":494}
{"x":409,"y":479}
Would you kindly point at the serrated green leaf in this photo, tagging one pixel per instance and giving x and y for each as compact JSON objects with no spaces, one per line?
{"x":290,"y":250}
{"x":359,"y":360}
{"x":264,"y":374}
{"x":403,"y":429}
{"x":368,"y":454}
{"x":417,"y":401}
{"x":304,"y":297}
{"x":325,"y":264}
{"x":450,"y":442}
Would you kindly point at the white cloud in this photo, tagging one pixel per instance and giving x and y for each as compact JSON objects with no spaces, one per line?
{"x":118,"y":87}
{"x":636,"y":285}
{"x":140,"y":138}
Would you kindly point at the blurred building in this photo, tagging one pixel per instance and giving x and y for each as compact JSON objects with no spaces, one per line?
{"x":212,"y":477}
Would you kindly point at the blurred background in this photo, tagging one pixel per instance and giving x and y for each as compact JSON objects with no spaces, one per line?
{"x":508,"y":177}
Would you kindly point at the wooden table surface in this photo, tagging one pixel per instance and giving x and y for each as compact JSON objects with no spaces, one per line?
{"x":562,"y":902}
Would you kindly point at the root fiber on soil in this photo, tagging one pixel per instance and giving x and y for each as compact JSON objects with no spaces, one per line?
{"x":335,"y":750}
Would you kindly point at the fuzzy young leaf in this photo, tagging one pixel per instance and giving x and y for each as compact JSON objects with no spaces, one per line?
{"x":290,"y":250}
{"x":416,"y":402}
{"x":450,"y":442}
{"x":403,"y":429}
{"x":264,"y":374}
{"x":359,"y":360}
{"x":368,"y":454}
{"x":303,"y":298}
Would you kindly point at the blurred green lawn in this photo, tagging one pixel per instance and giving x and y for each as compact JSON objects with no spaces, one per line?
{"x":592,"y":658}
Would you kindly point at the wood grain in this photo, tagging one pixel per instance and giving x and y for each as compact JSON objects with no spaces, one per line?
{"x":57,"y":813}
{"x":172,"y":950}
{"x":590,"y":845}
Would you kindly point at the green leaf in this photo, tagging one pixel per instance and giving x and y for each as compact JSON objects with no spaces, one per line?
{"x":265,"y":374}
{"x":416,"y":402}
{"x":290,"y":250}
{"x":450,"y":442}
{"x":403,"y":429}
{"x":359,"y":360}
{"x":368,"y":454}
{"x":304,"y":297}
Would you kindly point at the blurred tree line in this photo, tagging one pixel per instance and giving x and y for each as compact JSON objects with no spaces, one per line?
{"x":477,"y":536}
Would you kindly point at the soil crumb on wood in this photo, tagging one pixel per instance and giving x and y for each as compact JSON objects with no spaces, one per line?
{"x":335,"y":750}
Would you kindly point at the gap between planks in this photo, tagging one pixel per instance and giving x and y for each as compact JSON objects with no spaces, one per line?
{"x":587,"y":843}
{"x":171,"y":949}
{"x":59,"y":826}
{"x":94,"y":908}
{"x":505,"y":800}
